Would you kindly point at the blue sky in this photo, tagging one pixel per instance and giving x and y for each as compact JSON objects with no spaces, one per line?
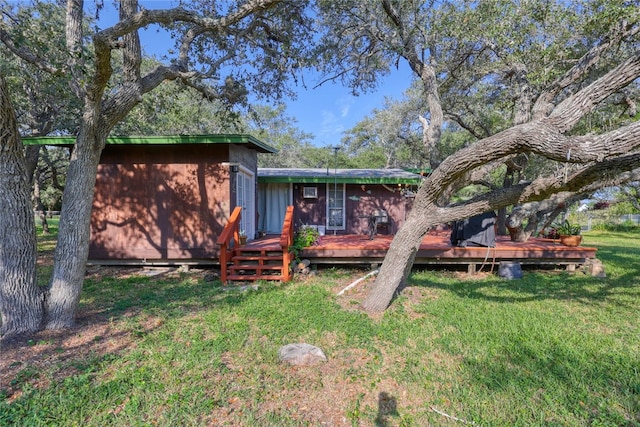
{"x":330,"y":110}
{"x":326,"y":112}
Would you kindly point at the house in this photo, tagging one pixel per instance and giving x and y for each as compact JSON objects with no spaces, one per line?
{"x":336,"y":201}
{"x":167,"y":198}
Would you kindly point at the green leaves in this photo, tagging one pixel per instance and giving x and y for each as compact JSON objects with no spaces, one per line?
{"x":568,"y":229}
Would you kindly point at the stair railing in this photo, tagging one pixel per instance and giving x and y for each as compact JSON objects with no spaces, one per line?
{"x":230,"y":233}
{"x":286,"y":241}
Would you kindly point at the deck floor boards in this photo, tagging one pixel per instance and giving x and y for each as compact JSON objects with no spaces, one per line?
{"x":434,"y":249}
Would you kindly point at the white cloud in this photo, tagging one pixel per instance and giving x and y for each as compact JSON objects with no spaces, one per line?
{"x":330,"y":127}
{"x":344,"y":105}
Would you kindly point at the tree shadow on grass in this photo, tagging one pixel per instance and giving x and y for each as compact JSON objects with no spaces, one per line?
{"x":579,"y":369}
{"x":118,"y":308}
{"x":539,"y":285}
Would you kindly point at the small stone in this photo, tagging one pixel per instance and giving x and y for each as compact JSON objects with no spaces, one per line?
{"x":595,"y":267}
{"x":304,"y":264}
{"x":301,"y":354}
{"x":211,"y":276}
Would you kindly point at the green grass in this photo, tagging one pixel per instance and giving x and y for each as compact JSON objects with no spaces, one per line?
{"x":551,"y":349}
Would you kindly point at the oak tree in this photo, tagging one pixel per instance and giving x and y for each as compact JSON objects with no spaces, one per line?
{"x":562,"y":62}
{"x":221,"y":50}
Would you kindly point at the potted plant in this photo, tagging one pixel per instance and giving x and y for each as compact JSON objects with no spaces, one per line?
{"x":243,"y":238}
{"x":569,"y":233}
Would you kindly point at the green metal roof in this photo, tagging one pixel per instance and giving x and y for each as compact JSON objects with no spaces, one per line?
{"x":160,"y":140}
{"x":342,"y":176}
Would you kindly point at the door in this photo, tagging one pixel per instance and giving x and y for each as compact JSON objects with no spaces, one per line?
{"x":273,"y":199}
{"x":335,"y":207}
{"x":245,"y":197}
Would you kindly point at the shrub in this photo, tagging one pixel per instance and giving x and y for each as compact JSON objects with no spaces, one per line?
{"x":305,"y":236}
{"x":550,"y":233}
{"x":625,"y":227}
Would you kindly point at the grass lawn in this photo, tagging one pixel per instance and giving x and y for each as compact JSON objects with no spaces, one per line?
{"x":178,"y":349}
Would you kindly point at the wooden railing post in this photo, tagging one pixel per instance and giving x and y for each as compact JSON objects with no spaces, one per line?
{"x":230,"y":232}
{"x":223,"y":262}
{"x":286,"y":241}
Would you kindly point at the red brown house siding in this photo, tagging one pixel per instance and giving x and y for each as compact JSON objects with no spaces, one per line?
{"x":373,"y":198}
{"x":165,"y":201}
{"x":361,"y":192}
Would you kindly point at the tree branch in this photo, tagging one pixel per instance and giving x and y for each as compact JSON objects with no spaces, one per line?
{"x":536,"y":137}
{"x":614,"y":171}
{"x":543,"y":105}
{"x":73,"y":32}
{"x":27,"y":55}
{"x":132,"y":53}
{"x":170,"y":16}
{"x":571,"y":110}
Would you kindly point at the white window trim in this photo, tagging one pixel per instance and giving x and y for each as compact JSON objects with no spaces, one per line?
{"x":330,"y":186}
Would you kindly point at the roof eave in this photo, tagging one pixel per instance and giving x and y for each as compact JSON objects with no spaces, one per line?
{"x":159,"y":140}
{"x":338,"y":180}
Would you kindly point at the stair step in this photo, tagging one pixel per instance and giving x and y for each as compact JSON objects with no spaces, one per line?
{"x":254,"y":267}
{"x":237,"y":264}
{"x":258,"y":254}
{"x":241,"y":277}
{"x":257,"y":258}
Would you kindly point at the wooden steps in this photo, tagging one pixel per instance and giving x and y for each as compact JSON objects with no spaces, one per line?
{"x":250,"y":264}
{"x":254,"y":260}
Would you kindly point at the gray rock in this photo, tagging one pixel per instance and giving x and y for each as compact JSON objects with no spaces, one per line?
{"x":301,"y":354}
{"x":510,"y":270}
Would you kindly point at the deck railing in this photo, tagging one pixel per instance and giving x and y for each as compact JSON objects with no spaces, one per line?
{"x":286,"y":241}
{"x":230,"y":233}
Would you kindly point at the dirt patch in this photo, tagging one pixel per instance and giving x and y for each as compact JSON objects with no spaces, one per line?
{"x":27,"y":359}
{"x":48,"y":355}
{"x":355,"y":289}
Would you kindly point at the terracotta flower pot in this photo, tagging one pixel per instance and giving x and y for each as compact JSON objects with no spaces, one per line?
{"x":570,"y":240}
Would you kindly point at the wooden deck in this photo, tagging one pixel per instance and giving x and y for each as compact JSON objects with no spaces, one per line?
{"x":437,"y":250}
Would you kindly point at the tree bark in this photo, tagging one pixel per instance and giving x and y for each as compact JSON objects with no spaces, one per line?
{"x":536,"y":136}
{"x":20,"y":299}
{"x":72,"y":248}
{"x":402,"y":252}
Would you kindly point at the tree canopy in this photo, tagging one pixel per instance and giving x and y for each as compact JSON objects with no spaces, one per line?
{"x":498,"y":86}
{"x":525,"y":79}
{"x":222,"y":51}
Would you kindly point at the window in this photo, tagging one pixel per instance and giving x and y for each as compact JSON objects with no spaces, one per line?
{"x":310,"y":192}
{"x":335,"y":207}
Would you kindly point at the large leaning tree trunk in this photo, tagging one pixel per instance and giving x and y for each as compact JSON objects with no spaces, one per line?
{"x":20,"y":298}
{"x":604,"y":155}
